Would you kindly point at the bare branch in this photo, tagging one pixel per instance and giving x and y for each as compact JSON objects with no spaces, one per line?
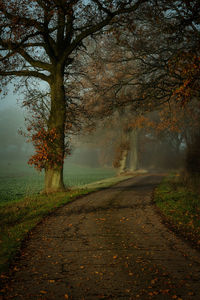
{"x":26,"y":73}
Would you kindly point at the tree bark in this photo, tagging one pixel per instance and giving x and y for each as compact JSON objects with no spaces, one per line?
{"x":133,"y":160}
{"x":129,"y":157}
{"x":124,"y":151}
{"x":54,"y":180}
{"x":123,"y":162}
{"x":54,"y":173}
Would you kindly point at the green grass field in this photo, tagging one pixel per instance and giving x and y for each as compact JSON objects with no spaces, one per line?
{"x":18,"y":180}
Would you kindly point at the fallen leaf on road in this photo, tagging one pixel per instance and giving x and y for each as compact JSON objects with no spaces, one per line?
{"x":81,"y":267}
{"x":164,"y":291}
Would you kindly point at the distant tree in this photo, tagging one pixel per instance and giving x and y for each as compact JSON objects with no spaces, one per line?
{"x":155,"y":66}
{"x":158,"y":54}
{"x":39,"y":40}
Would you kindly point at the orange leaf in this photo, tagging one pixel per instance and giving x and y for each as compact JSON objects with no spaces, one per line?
{"x":81,"y":267}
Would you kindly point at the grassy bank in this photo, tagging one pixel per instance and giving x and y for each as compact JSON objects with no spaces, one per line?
{"x":18,"y":217}
{"x":180,"y":206}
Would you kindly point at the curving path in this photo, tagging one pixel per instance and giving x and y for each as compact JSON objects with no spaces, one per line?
{"x":108,"y":245}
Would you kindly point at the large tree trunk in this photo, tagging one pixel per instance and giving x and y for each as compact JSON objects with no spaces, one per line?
{"x":54,"y":173}
{"x":133,"y":159}
{"x":54,"y":180}
{"x":124,"y":147}
{"x":129,"y":157}
{"x":123,"y":162}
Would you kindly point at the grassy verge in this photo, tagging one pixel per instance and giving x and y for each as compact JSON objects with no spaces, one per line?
{"x":180,"y":206}
{"x":17,"y":218}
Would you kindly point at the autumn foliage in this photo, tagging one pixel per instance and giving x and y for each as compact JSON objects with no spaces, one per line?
{"x":186,"y":66}
{"x":45,"y":140}
{"x":45,"y":153}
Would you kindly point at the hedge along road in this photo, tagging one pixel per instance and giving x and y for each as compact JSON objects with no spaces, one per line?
{"x":108,"y":245}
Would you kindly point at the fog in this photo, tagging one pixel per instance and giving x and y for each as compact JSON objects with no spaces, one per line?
{"x":98,"y":149}
{"x":15,"y":151}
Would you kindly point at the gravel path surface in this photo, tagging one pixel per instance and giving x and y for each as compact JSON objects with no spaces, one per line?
{"x":108,"y":245}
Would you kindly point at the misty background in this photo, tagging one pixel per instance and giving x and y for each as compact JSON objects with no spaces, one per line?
{"x":15,"y":151}
{"x":92,"y":151}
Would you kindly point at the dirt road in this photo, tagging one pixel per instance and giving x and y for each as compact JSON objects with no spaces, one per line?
{"x":108,"y":245}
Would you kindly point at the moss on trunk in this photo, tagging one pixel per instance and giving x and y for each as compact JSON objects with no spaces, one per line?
{"x":54,"y":181}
